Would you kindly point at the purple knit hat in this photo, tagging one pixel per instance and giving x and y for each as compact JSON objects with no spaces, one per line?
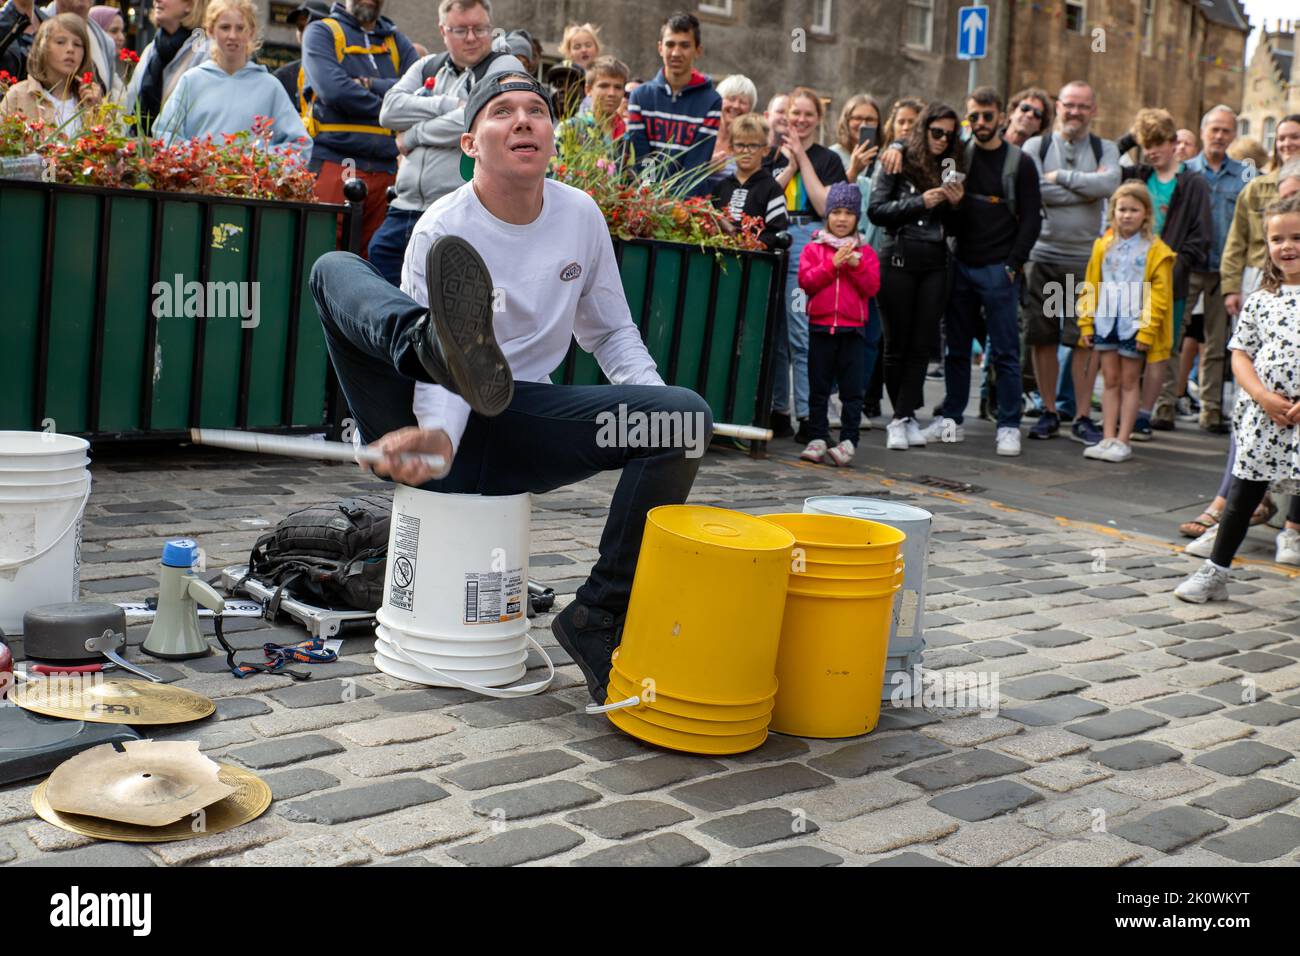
{"x":844,"y":196}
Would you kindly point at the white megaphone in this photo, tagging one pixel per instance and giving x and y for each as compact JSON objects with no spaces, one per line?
{"x":175,"y":634}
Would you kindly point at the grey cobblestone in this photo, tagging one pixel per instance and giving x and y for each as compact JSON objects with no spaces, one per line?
{"x":1242,"y":758}
{"x":278,"y":753}
{"x":663,"y":849}
{"x":653,"y":773}
{"x":515,"y":769}
{"x":627,"y":818}
{"x":287,"y":784}
{"x":1277,"y":834}
{"x":1169,"y":829}
{"x":881,"y":753}
{"x":517,"y":846}
{"x":908,"y":859}
{"x":498,"y":713}
{"x":1246,"y":799}
{"x":990,"y":844}
{"x":986,"y":800}
{"x":1136,"y":755}
{"x":1184,"y":705}
{"x":757,"y":827}
{"x":961,"y":768}
{"x":550,"y":796}
{"x":1056,"y":710}
{"x":1120,"y":723}
{"x":611,"y":747}
{"x":792,"y":856}
{"x":356,"y":803}
{"x":320,"y":693}
{"x":750,"y":786}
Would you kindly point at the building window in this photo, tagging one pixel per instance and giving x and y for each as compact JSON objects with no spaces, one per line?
{"x":1076,"y":16}
{"x":1148,"y":27}
{"x":920,"y":23}
{"x":1270,"y":134}
{"x":821,"y":18}
{"x":1243,"y":127}
{"x":717,"y":8}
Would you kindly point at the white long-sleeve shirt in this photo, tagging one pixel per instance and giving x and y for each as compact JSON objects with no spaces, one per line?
{"x":554,"y":278}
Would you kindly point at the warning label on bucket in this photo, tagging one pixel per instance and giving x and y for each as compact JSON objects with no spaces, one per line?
{"x":406,"y":545}
{"x":494,"y":596}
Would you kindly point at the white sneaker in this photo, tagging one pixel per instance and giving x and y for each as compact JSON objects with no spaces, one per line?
{"x":1009,"y":441}
{"x":1288,"y":546}
{"x":914,"y":436}
{"x":841,"y":454}
{"x":1209,"y":583}
{"x":1097,"y":452}
{"x":896,"y":435}
{"x":815,"y":452}
{"x":1117,"y":451}
{"x":945,"y":430}
{"x":1203,"y":546}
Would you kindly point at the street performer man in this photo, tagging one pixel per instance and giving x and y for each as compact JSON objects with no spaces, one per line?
{"x":499,"y":275}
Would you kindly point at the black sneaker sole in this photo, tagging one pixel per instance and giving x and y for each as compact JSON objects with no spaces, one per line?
{"x":460,"y":310}
{"x":594,"y":688}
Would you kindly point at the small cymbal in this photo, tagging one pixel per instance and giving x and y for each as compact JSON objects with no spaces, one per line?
{"x":249,"y":801}
{"x":147,"y":782}
{"x":111,"y":700}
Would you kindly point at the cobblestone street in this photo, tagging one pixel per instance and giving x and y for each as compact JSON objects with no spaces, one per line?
{"x":1133,"y":730}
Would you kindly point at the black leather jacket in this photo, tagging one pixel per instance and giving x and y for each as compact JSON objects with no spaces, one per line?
{"x":897,"y":207}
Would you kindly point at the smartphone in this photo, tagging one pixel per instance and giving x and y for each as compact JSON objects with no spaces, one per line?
{"x":866,"y":134}
{"x":954,"y":177}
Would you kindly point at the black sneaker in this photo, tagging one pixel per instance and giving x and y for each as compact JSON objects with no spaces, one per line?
{"x":1161,"y":425}
{"x":802,"y":436}
{"x":780,"y":425}
{"x":589,"y":635}
{"x":456,"y":344}
{"x":1047,"y":426}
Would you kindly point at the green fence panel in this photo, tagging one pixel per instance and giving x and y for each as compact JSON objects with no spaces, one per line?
{"x":128,"y":299}
{"x":312,"y":359}
{"x":72,"y":307}
{"x":749,"y":367}
{"x":227,"y":250}
{"x":722,"y":342}
{"x":179,"y":262}
{"x":270,"y":337}
{"x":694,"y":320}
{"x":20,"y":317}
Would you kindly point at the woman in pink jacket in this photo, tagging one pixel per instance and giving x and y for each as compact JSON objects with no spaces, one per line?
{"x":838,"y":275}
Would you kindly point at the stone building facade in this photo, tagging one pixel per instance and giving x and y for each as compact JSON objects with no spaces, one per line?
{"x":1184,"y":55}
{"x":1272,"y":84}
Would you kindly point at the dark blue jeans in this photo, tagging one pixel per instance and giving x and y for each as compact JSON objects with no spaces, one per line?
{"x":973,"y":287}
{"x":388,"y":245}
{"x":545,"y":439}
{"x":835,"y":360}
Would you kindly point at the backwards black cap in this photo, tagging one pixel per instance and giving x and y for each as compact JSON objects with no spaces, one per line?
{"x":489,"y":89}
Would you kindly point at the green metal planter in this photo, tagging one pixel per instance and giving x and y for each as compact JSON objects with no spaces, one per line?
{"x":100,"y":335}
{"x":709,"y":320}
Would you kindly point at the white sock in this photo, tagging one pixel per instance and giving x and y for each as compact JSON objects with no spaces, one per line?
{"x":1218,"y":567}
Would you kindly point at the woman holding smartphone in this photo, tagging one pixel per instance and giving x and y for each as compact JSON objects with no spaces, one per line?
{"x":913,"y":206}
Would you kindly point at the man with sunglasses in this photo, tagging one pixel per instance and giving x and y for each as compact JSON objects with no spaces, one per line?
{"x":428,"y":122}
{"x":1028,"y":115}
{"x":1077,"y":174}
{"x":995,"y":227}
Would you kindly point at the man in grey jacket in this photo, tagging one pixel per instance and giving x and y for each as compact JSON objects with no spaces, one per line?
{"x":1078,"y":171}
{"x":429,"y":119}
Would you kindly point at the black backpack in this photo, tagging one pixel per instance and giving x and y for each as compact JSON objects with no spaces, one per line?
{"x":1045,"y":145}
{"x":434,"y":64}
{"x":329,"y":555}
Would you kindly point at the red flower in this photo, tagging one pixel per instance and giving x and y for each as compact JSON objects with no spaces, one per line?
{"x":87,"y":78}
{"x":429,"y":83}
{"x":128,"y":56}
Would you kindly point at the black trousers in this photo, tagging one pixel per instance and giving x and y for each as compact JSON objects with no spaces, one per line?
{"x":833,"y":360}
{"x":912,"y":301}
{"x":1243,"y":498}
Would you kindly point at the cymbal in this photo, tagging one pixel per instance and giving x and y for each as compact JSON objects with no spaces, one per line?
{"x":111,"y":700}
{"x":148,"y":782}
{"x":249,"y":801}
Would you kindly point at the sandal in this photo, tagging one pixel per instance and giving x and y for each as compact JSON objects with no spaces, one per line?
{"x":1202,"y":523}
{"x":1264,"y":513}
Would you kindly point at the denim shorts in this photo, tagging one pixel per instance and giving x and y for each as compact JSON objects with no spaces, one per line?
{"x":1127,"y":348}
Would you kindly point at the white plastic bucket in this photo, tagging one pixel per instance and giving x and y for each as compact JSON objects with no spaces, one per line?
{"x":43,"y":494}
{"x":907,"y":631}
{"x":455,"y":609}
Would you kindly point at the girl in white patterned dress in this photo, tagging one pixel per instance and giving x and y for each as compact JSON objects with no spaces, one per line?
{"x":1266,"y":365}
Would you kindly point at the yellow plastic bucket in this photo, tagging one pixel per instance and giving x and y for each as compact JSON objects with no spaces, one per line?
{"x":702,"y":630}
{"x":621,"y":687}
{"x":629,"y":723}
{"x":835,"y":539}
{"x":835,"y":633}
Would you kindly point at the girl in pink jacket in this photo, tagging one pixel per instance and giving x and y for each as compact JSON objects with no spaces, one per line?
{"x":838,"y":275}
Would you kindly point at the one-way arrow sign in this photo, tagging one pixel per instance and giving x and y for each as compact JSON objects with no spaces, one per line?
{"x":972,"y":32}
